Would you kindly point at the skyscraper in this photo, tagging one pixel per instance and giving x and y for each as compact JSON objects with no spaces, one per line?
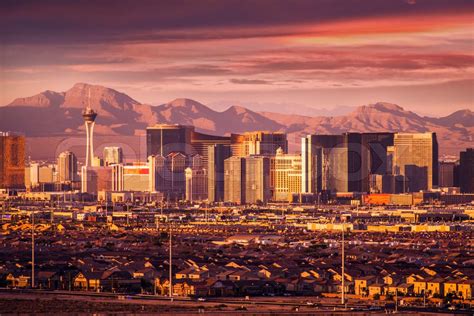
{"x":67,"y":167}
{"x":332,"y":163}
{"x":446,"y":173}
{"x":157,"y":165}
{"x":196,"y":184}
{"x":285,"y":175}
{"x":33,"y":178}
{"x":258,"y":143}
{"x":374,"y":156}
{"x":200,"y":144}
{"x":215,"y":166}
{"x":310,"y":165}
{"x":466,"y":170}
{"x":195,"y":161}
{"x":117,"y":177}
{"x":112,"y":155}
{"x":236,"y":145}
{"x":163,"y":139}
{"x":343,"y":163}
{"x":234,"y":180}
{"x":257,"y":179}
{"x":175,"y":180}
{"x":12,"y":161}
{"x":415,"y":156}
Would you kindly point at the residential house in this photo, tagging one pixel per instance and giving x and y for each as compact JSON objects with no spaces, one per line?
{"x":87,"y":280}
{"x":419,"y":287}
{"x":361,"y":285}
{"x":434,"y":287}
{"x":465,"y":289}
{"x":402,"y":289}
{"x":450,"y":287}
{"x":162,"y":286}
{"x":48,"y":280}
{"x":18,"y":280}
{"x":376,"y":289}
{"x":184,"y":288}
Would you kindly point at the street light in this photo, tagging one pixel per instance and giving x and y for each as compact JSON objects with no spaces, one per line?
{"x":171,"y":265}
{"x":343,"y":299}
{"x":32,"y":248}
{"x":396,"y":299}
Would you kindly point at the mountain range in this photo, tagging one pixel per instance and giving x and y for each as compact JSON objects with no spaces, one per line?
{"x":53,"y":115}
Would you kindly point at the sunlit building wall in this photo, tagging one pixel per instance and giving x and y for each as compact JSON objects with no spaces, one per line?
{"x":112,"y":155}
{"x":12,"y":161}
{"x":196,"y":184}
{"x":285,"y":175}
{"x":234,"y":180}
{"x":416,"y":157}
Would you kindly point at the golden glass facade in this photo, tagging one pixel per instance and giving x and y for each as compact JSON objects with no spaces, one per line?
{"x":12,"y":161}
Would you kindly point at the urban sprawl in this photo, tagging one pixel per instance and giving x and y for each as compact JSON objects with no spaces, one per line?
{"x":359,"y":220}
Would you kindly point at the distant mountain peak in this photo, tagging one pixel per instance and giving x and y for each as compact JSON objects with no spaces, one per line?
{"x":83,"y":85}
{"x":44,"y":99}
{"x":237,"y":109}
{"x":463,"y":117}
{"x":191,"y":106}
{"x":101,"y":98}
{"x":463,"y":112}
{"x":381,"y":106}
{"x":185,"y":103}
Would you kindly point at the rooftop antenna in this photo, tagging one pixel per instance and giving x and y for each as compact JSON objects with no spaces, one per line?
{"x":89,"y":99}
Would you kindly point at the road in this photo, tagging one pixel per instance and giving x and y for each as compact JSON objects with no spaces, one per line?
{"x":75,"y":301}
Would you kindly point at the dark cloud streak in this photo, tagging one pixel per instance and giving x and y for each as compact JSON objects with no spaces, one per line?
{"x":249,"y":81}
{"x":58,"y":21}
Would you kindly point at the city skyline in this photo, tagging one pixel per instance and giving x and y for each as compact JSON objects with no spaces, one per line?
{"x":123,"y":120}
{"x":325,"y":55}
{"x":236,"y":157}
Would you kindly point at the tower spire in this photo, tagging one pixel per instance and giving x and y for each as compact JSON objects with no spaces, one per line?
{"x":89,"y":99}
{"x":89,"y":116}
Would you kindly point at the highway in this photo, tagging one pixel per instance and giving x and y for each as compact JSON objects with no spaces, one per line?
{"x":260,"y":304}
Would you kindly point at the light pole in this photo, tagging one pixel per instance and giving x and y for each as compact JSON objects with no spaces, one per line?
{"x":32,"y":248}
{"x":171,"y":265}
{"x":343,"y":299}
{"x":396,"y":299}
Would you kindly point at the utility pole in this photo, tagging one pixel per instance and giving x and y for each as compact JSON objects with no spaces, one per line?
{"x":343,"y":298}
{"x":32,"y":248}
{"x":171,"y":265}
{"x":154,"y":283}
{"x":396,"y":299}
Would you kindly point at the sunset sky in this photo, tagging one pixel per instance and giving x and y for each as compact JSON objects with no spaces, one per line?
{"x":286,"y":56}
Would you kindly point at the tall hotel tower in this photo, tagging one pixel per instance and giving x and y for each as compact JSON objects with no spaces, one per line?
{"x":89,"y":116}
{"x":89,"y":120}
